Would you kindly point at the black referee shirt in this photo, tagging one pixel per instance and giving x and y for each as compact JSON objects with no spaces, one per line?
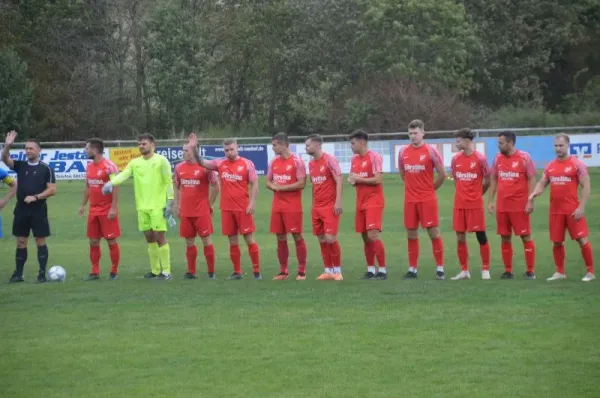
{"x":32,"y":179}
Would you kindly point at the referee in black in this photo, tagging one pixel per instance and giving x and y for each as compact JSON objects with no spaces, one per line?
{"x":35,"y":183}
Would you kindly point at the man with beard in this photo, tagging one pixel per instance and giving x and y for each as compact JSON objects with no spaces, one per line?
{"x":153,"y":191}
{"x":103,"y":217}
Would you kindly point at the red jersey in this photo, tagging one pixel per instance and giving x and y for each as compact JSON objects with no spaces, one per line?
{"x":368,"y":196}
{"x":236,"y":176}
{"x":98,"y":174}
{"x":417,"y":166}
{"x":564,"y":177}
{"x":468,"y":173}
{"x":513,"y":173}
{"x":286,"y":172}
{"x":193,"y":182}
{"x":322,"y":174}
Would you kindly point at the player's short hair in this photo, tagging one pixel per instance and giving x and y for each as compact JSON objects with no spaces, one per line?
{"x":316,"y":138}
{"x":97,"y":144}
{"x":36,"y":142}
{"x":465,"y":133}
{"x":564,"y":136}
{"x":282,"y":138}
{"x":509,"y":136}
{"x":146,"y":137}
{"x":230,"y":141}
{"x":416,"y":124}
{"x":359,"y":134}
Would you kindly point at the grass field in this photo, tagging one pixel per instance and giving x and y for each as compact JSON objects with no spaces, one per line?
{"x":133,"y":337}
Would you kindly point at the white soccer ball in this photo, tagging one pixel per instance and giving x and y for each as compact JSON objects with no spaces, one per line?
{"x":57,"y":274}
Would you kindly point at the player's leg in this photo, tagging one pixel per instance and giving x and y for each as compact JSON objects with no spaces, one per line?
{"x":459,"y":225}
{"x":204,"y":228}
{"x":159,"y":226}
{"x":20,"y":230}
{"x":277,"y":227}
{"x":374,"y":221}
{"x":558,"y":227}
{"x":254,"y":252}
{"x":230,"y":228}
{"x":360,"y":226}
{"x":578,"y":230}
{"x":187,"y":230}
{"x":293,"y":223}
{"x":94,"y":234}
{"x":522,"y":227}
{"x":145,"y":226}
{"x":318,"y":229}
{"x":331,"y":223}
{"x":111,"y":231}
{"x":428,"y":214}
{"x":504,"y":229}
{"x":411,"y":223}
{"x":476,"y":223}
{"x":40,"y":229}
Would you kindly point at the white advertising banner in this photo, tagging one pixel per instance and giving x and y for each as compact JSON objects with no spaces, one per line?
{"x":586,"y":147}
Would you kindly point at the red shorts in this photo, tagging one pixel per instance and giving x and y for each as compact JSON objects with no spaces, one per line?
{"x":423,"y":213}
{"x":560,"y":223}
{"x":99,"y":227}
{"x":286,"y":222}
{"x":369,"y":219}
{"x":190,"y":227}
{"x":468,"y":220}
{"x":324,"y":221}
{"x":236,"y":222}
{"x":509,"y":221}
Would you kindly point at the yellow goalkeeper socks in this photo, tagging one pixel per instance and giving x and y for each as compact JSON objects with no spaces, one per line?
{"x":154,"y":254}
{"x":164,"y":253}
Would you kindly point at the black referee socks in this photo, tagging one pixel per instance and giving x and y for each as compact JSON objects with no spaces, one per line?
{"x":42,"y":254}
{"x":20,"y":259}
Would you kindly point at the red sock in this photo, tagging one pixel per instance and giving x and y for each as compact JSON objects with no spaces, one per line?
{"x":209,"y":255}
{"x":559,"y":258}
{"x":529,"y":255}
{"x":236,"y":258}
{"x":413,"y":253}
{"x":115,"y":257}
{"x":335,"y":253}
{"x":379,"y":252}
{"x":326,"y":255}
{"x":191,"y":254}
{"x":369,"y":254}
{"x":301,"y":254}
{"x":438,"y":251}
{"x":95,"y":255}
{"x":588,"y":257}
{"x":507,"y":256}
{"x":485,"y":253}
{"x":283,"y":253}
{"x":254,"y":253}
{"x":462,"y":251}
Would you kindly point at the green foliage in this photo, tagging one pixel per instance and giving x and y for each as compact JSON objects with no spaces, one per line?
{"x":532,"y":115}
{"x":16,"y":92}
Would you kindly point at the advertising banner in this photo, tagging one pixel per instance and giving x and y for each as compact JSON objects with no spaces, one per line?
{"x":122,"y":156}
{"x":586,"y":148}
{"x":258,"y":154}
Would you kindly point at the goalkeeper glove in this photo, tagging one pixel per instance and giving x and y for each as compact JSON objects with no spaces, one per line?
{"x":107,"y":188}
{"x":168,"y":211}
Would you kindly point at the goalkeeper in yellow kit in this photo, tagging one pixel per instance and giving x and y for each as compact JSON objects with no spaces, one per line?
{"x":153,"y":191}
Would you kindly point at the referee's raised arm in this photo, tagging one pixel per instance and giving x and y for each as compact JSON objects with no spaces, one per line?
{"x":8,"y":143}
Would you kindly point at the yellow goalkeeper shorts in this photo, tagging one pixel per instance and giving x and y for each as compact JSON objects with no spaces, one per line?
{"x":152,"y":220}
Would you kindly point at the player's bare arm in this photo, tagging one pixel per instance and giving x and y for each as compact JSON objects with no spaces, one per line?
{"x":112,"y":213}
{"x":532,"y":185}
{"x":540,"y":187}
{"x":84,"y":199}
{"x":48,"y":192}
{"x":253,"y":196}
{"x":8,"y":143}
{"x":297,"y":186}
{"x":441,"y":175}
{"x":339,"y":186}
{"x":586,"y":188}
{"x":11,"y":193}
{"x":177,"y":199}
{"x":486,"y":184}
{"x":492,"y":193}
{"x":213,"y":194}
{"x":375,"y":180}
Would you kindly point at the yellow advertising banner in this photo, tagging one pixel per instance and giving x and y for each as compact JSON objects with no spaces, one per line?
{"x":122,"y":156}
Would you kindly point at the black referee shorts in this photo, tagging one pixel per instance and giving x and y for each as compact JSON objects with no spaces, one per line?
{"x":34,"y":219}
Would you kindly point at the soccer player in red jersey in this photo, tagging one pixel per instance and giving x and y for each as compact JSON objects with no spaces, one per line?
{"x":196,"y":190}
{"x":237,"y":175}
{"x":513,"y":178}
{"x":471,"y":174}
{"x":365,"y":175}
{"x":327,"y":183}
{"x":103,"y":217}
{"x":565,"y":174}
{"x":417,"y":163}
{"x":286,"y":177}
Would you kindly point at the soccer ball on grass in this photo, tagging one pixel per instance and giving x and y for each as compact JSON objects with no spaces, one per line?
{"x":57,"y":274}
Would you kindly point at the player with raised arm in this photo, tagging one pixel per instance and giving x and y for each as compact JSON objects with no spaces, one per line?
{"x":471,"y":174}
{"x":153,"y":192}
{"x":237,"y":175}
{"x":366,"y":175}
{"x":513,"y":178}
{"x":327,"y":182}
{"x":417,"y":163}
{"x":103,"y":217}
{"x":196,"y":190}
{"x":567,"y":211}
{"x":12,"y":184}
{"x":286,"y":177}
